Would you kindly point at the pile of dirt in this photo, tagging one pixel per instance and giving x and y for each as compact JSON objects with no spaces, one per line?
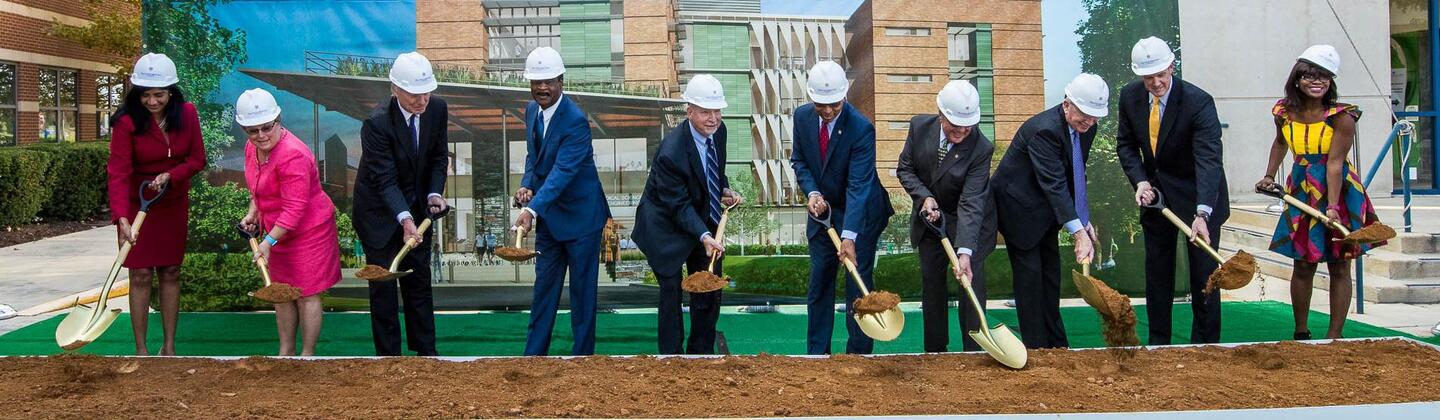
{"x":1189,"y":378}
{"x":1376,"y":232}
{"x":704,"y":281}
{"x":513,"y":254}
{"x":1119,"y":330}
{"x":277,"y":293}
{"x":1234,"y":273}
{"x":372,"y":271}
{"x":876,"y":302}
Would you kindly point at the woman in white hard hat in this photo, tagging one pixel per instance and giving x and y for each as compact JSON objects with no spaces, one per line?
{"x":155,"y":138}
{"x":1311,"y":123}
{"x":294,"y":215}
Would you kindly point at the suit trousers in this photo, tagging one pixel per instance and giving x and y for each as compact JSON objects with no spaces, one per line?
{"x":1037,"y":292}
{"x":1160,"y":237}
{"x":581,"y":257}
{"x":704,"y":309}
{"x":820,"y":300}
{"x":413,"y":290}
{"x":935,"y":279}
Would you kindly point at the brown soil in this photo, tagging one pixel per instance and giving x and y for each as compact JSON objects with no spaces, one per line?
{"x":372,"y":271}
{"x":277,"y":293}
{"x":704,"y":281}
{"x":513,"y":254}
{"x":15,"y":235}
{"x":1191,"y":378}
{"x":876,"y":302}
{"x":1376,"y":232}
{"x":1118,"y":330}
{"x":1234,"y":273}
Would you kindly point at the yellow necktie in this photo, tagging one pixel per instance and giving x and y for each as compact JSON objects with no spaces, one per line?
{"x":1154,"y":125}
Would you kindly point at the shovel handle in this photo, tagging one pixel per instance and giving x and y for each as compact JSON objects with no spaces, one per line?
{"x":965,"y":284}
{"x":260,"y":261}
{"x":1305,"y":208}
{"x":519,"y":236}
{"x":1185,"y":230}
{"x":409,"y":245}
{"x":119,"y":263}
{"x":849,"y":265}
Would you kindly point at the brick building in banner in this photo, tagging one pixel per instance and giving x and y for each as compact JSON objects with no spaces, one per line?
{"x":52,"y":90}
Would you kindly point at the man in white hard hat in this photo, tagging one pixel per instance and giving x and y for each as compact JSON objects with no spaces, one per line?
{"x":403,"y":160}
{"x":680,"y":211}
{"x":562,"y":203}
{"x":945,"y":167}
{"x":1169,"y":140}
{"x":834,"y":161}
{"x":1039,"y":188}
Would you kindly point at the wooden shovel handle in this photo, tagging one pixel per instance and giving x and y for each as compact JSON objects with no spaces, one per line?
{"x":1316,"y":213}
{"x":965,"y":284}
{"x":119,"y":263}
{"x":1185,"y":230}
{"x":260,"y":261}
{"x":849,"y":265}
{"x":409,"y":245}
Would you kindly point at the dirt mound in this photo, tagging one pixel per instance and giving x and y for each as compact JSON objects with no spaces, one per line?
{"x":1234,"y":273}
{"x":876,"y":302}
{"x":513,"y":254}
{"x":704,"y":281}
{"x":372,"y":271}
{"x":1376,"y":232}
{"x":277,"y":293}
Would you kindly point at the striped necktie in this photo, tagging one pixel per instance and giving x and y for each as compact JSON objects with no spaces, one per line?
{"x":944,"y":150}
{"x":712,"y":179}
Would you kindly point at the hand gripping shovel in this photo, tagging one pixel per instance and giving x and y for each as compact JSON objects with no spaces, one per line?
{"x":707,"y":281}
{"x":1232,"y":274}
{"x":1376,"y":232}
{"x":378,"y":273}
{"x":883,"y":325}
{"x":272,"y":292}
{"x":999,"y":341}
{"x":84,"y":323}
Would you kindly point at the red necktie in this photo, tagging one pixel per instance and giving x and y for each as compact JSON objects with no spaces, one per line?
{"x":824,"y":141}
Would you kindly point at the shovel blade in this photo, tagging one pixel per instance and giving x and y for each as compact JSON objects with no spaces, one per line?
{"x":884,"y":326}
{"x":1003,"y":345}
{"x":1091,"y":293}
{"x":77,"y":329}
{"x":391,"y":276}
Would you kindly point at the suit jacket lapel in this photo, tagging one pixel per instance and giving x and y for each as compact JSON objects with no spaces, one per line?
{"x":1172,"y":107}
{"x":547,"y":145}
{"x":693,"y":156}
{"x":958,"y":152}
{"x":837,"y":136}
{"x":402,"y":131}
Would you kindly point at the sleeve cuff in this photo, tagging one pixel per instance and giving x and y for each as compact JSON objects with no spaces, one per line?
{"x":532,"y":212}
{"x":1073,"y":226}
{"x":703,"y":236}
{"x":400,"y":218}
{"x":812,"y":194}
{"x":848,"y":234}
{"x":433,"y":195}
{"x":1204,"y":209}
{"x":964,"y":251}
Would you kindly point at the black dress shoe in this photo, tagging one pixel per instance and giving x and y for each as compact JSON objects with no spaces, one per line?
{"x":1299,"y":336}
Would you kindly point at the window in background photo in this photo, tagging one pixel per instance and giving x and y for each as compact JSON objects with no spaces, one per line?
{"x":970,"y":59}
{"x":7,"y":104}
{"x":58,"y":110}
{"x":109,"y":94}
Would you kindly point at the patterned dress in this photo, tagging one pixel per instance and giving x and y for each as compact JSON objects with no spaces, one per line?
{"x":1298,"y":235}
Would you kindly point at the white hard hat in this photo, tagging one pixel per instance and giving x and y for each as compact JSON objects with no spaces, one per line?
{"x":827,"y":84}
{"x":255,"y":107}
{"x":1089,"y":93}
{"x":154,"y":70}
{"x":705,"y":91}
{"x":544,"y":64}
{"x":412,"y":73}
{"x":1150,"y":55}
{"x":1324,"y":56}
{"x":959,"y":102}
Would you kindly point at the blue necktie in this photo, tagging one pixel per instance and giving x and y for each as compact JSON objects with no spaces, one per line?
{"x":414,"y":133}
{"x":1077,"y":169}
{"x":537,"y":127}
{"x":712,"y":179}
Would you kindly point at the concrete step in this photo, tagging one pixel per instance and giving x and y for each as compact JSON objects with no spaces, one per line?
{"x":1378,"y":289}
{"x":1382,"y":262}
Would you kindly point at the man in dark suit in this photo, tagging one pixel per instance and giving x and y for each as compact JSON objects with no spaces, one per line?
{"x":403,"y":159}
{"x":679,"y":212}
{"x":945,"y":167}
{"x":1039,"y":188}
{"x":1169,"y":138}
{"x":834,"y":161}
{"x":562,"y":200}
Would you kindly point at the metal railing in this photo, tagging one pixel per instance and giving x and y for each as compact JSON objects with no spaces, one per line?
{"x":320,"y":62}
{"x":1403,"y":132}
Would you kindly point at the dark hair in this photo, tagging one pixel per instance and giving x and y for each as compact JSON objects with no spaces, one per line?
{"x":1294,"y":97}
{"x":140,"y":117}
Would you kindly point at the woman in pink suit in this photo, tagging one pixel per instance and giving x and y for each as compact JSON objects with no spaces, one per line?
{"x":156,"y":137}
{"x":297,"y":218}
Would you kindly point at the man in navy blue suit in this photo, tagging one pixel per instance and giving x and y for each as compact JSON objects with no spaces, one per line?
{"x":562,"y":200}
{"x":834,"y":162}
{"x":680,"y":211}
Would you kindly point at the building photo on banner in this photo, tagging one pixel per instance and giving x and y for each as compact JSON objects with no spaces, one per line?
{"x":1117,"y":198}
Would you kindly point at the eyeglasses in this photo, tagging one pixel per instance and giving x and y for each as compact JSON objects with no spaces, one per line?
{"x":264,"y":129}
{"x":1314,"y":78}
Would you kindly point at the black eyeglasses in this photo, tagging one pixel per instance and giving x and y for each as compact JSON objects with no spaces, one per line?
{"x":265,"y":129}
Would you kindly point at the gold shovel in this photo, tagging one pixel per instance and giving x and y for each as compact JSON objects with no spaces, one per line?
{"x":1233,"y":273}
{"x":516,"y":253}
{"x":84,"y":323}
{"x":885,"y":325}
{"x":378,"y":273}
{"x":1375,"y":232}
{"x":999,"y":341}
{"x":707,"y":281}
{"x":1092,"y":290}
{"x":272,"y":292}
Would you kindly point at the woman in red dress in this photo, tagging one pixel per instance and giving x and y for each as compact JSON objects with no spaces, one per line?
{"x":155,"y":137}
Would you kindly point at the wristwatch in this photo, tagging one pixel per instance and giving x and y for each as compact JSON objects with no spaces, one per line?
{"x":1203,"y":215}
